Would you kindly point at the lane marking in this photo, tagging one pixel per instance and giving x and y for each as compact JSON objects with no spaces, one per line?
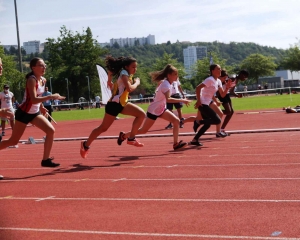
{"x":180,"y":235}
{"x":117,"y":180}
{"x":157,"y":179}
{"x":53,"y":198}
{"x":178,"y":165}
{"x":80,"y":180}
{"x":47,"y":198}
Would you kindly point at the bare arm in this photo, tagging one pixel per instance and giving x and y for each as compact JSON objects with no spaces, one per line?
{"x":181,"y":91}
{"x":33,"y":96}
{"x":198,"y":91}
{"x":130,"y":87}
{"x":175,"y":100}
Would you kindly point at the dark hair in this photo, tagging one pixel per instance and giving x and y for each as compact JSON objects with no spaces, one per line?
{"x":162,"y":74}
{"x":212,"y":67}
{"x":115,"y":65}
{"x":32,"y":64}
{"x":224,"y":73}
{"x":244,"y":72}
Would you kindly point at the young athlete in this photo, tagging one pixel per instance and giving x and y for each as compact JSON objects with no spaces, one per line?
{"x":176,"y":90}
{"x":158,"y":107}
{"x":124,"y":68}
{"x":204,"y":93}
{"x":31,"y":110}
{"x":226,"y":101}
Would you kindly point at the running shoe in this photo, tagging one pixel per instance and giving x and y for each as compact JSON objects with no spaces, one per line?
{"x":196,"y":143}
{"x":221,"y":135}
{"x":181,"y":123}
{"x":135,"y":143}
{"x":83,"y":151}
{"x":121,"y":138}
{"x":48,"y":163}
{"x":179,"y":145}
{"x":227,"y":134}
{"x":170,"y":126}
{"x":196,"y":125}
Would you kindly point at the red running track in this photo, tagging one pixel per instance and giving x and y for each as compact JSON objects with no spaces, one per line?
{"x":245,"y":186}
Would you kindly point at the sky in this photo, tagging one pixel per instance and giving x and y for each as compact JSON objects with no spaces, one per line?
{"x":273,"y":23}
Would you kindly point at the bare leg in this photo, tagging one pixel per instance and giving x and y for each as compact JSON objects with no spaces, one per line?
{"x":106,"y":123}
{"x":220,"y":114}
{"x":15,"y":136}
{"x":42,"y":123}
{"x":170,"y":117}
{"x":138,"y":113}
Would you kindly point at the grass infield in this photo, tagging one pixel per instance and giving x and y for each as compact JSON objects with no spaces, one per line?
{"x":258,"y":102}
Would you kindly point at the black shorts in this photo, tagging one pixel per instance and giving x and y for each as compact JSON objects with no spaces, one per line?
{"x":113,"y":108}
{"x":154,"y":117}
{"x":225,"y":99}
{"x":25,"y":117}
{"x":176,"y":105}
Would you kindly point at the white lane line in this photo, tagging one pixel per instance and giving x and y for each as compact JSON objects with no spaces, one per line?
{"x":47,"y":198}
{"x":155,"y":179}
{"x":167,"y":166}
{"x":158,"y":200}
{"x":179,"y":235}
{"x":117,"y":180}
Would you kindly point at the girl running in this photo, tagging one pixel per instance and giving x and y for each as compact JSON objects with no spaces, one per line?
{"x":31,"y":110}
{"x":226,"y":101}
{"x":157,"y":108}
{"x":124,"y":68}
{"x":204,"y":93}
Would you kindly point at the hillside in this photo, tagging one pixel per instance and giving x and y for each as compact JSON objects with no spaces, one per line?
{"x":233,"y":52}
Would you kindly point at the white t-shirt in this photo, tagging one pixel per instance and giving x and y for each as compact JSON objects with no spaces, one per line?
{"x":6,"y":99}
{"x":175,"y":86}
{"x":158,"y":106}
{"x":207,"y":93}
{"x":97,"y":99}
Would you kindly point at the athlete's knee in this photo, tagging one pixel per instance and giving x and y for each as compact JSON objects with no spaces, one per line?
{"x":175,"y":121}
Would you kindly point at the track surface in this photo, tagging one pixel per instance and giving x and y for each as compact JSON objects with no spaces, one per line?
{"x":245,"y":186}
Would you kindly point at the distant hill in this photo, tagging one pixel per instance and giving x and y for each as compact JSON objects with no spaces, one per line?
{"x":234,"y":52}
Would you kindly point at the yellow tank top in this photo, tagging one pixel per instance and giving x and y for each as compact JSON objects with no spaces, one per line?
{"x":120,"y":93}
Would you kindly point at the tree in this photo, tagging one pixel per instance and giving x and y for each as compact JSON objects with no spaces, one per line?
{"x":292,"y":59}
{"x":259,"y":65}
{"x":11,"y":76}
{"x":200,"y":71}
{"x":116,"y":45}
{"x":74,"y":56}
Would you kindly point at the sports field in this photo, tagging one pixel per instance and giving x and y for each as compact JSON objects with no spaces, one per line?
{"x":245,"y":186}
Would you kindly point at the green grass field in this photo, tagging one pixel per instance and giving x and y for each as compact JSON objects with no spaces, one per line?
{"x":260,"y":102}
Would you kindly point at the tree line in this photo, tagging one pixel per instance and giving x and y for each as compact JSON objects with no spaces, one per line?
{"x":71,"y":62}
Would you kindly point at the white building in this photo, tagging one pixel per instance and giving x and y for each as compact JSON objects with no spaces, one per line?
{"x":190,"y":56}
{"x":288,"y":75}
{"x":122,"y":42}
{"x":32,"y":46}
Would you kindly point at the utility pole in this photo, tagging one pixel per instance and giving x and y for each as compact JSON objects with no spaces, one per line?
{"x":19,"y":46}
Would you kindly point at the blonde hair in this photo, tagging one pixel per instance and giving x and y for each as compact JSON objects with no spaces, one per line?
{"x":0,"y":61}
{"x":162,"y":74}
